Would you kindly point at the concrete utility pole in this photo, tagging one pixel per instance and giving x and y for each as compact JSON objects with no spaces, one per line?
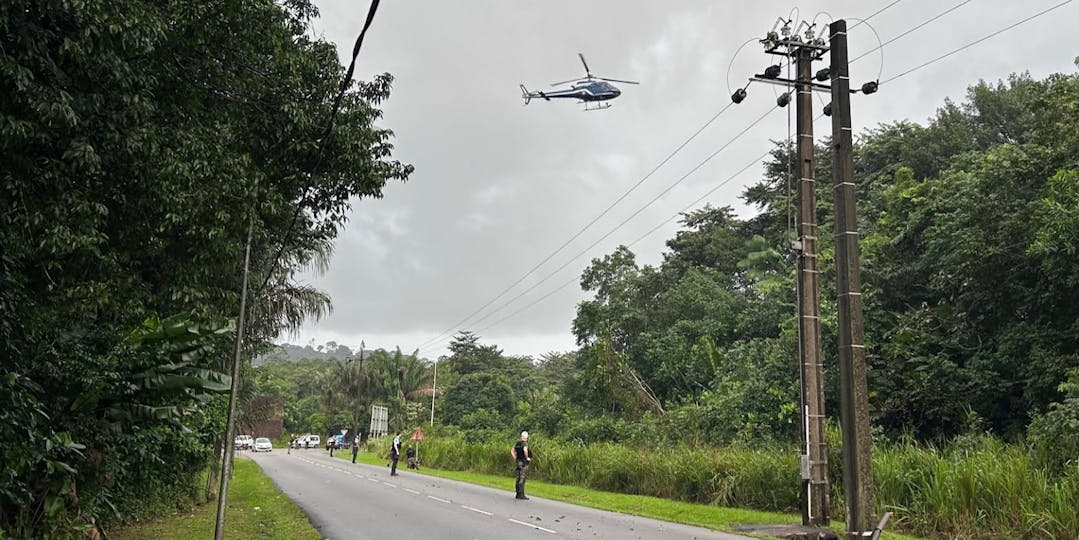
{"x":814,"y":459}
{"x":858,"y":491}
{"x":854,"y":399}
{"x":815,"y":451}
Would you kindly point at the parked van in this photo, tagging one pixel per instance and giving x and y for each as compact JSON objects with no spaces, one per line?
{"x":309,"y":441}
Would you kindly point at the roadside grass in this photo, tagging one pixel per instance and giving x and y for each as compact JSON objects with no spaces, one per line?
{"x":256,"y":509}
{"x":701,"y":515}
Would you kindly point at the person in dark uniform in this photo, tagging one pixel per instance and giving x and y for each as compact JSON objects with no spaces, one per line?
{"x":395,"y":453}
{"x":355,"y":447}
{"x":523,"y":456}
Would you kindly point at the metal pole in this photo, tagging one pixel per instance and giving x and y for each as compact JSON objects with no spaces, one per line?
{"x":358,"y":411}
{"x":434,"y":390}
{"x":230,"y":421}
{"x":858,"y":490}
{"x":815,"y":488}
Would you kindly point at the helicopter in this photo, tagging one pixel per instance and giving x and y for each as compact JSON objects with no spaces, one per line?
{"x":589,"y":90}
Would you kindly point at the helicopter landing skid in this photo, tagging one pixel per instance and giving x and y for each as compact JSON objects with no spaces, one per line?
{"x":597,"y":106}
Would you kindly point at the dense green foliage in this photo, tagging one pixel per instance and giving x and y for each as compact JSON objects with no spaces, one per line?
{"x":137,"y":141}
{"x":325,"y":396}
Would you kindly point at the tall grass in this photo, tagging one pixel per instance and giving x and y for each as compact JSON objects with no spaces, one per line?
{"x":982,"y":488}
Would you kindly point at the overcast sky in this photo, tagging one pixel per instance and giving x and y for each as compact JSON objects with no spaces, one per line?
{"x":498,"y":185}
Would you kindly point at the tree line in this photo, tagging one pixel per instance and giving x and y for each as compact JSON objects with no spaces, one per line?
{"x":138,"y":140}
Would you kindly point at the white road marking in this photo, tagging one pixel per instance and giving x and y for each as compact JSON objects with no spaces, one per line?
{"x":389,"y":484}
{"x":375,"y":480}
{"x":533,"y":526}
{"x":484,"y":512}
{"x":437,"y":499}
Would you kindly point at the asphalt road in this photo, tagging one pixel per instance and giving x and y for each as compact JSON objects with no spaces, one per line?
{"x":346,"y":500}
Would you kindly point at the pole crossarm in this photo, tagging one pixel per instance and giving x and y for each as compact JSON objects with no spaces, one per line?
{"x":780,"y":81}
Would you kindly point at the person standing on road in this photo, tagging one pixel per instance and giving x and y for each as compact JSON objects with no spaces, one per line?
{"x":523,"y":456}
{"x":395,"y":453}
{"x":355,"y":447}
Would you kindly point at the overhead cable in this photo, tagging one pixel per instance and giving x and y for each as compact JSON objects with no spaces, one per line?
{"x":927,"y":21}
{"x":585,"y":251}
{"x":975,"y":42}
{"x":582,"y":230}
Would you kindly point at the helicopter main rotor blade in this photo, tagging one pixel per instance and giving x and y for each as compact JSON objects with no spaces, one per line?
{"x":617,"y":80}
{"x":586,"y":70}
{"x":565,"y":82}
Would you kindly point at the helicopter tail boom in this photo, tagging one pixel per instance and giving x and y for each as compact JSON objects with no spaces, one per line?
{"x":529,"y":95}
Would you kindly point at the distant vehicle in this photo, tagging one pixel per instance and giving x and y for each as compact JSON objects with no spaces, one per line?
{"x":262,"y":444}
{"x":590,"y":89}
{"x":309,"y":441}
{"x":243,"y":442}
{"x":339,"y":442}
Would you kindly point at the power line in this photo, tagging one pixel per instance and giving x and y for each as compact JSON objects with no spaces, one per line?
{"x":583,"y":229}
{"x":874,"y":14}
{"x":660,"y":225}
{"x":620,"y":225}
{"x":975,"y":42}
{"x":757,"y":160}
{"x":457,"y":325}
{"x":634,"y":214}
{"x":935,"y":17}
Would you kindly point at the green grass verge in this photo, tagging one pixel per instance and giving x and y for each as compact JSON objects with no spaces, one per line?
{"x":701,"y":515}
{"x":256,"y":509}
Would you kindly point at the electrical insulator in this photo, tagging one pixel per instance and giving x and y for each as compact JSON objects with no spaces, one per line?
{"x":870,"y":87}
{"x":823,"y":75}
{"x":828,"y":109}
{"x":784,"y":99}
{"x":738,"y":95}
{"x":772,"y":72}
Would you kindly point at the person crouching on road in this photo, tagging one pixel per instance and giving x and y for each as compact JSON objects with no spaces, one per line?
{"x":523,"y":456}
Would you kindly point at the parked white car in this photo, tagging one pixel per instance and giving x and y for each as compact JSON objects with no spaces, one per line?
{"x":243,"y":442}
{"x":262,"y":444}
